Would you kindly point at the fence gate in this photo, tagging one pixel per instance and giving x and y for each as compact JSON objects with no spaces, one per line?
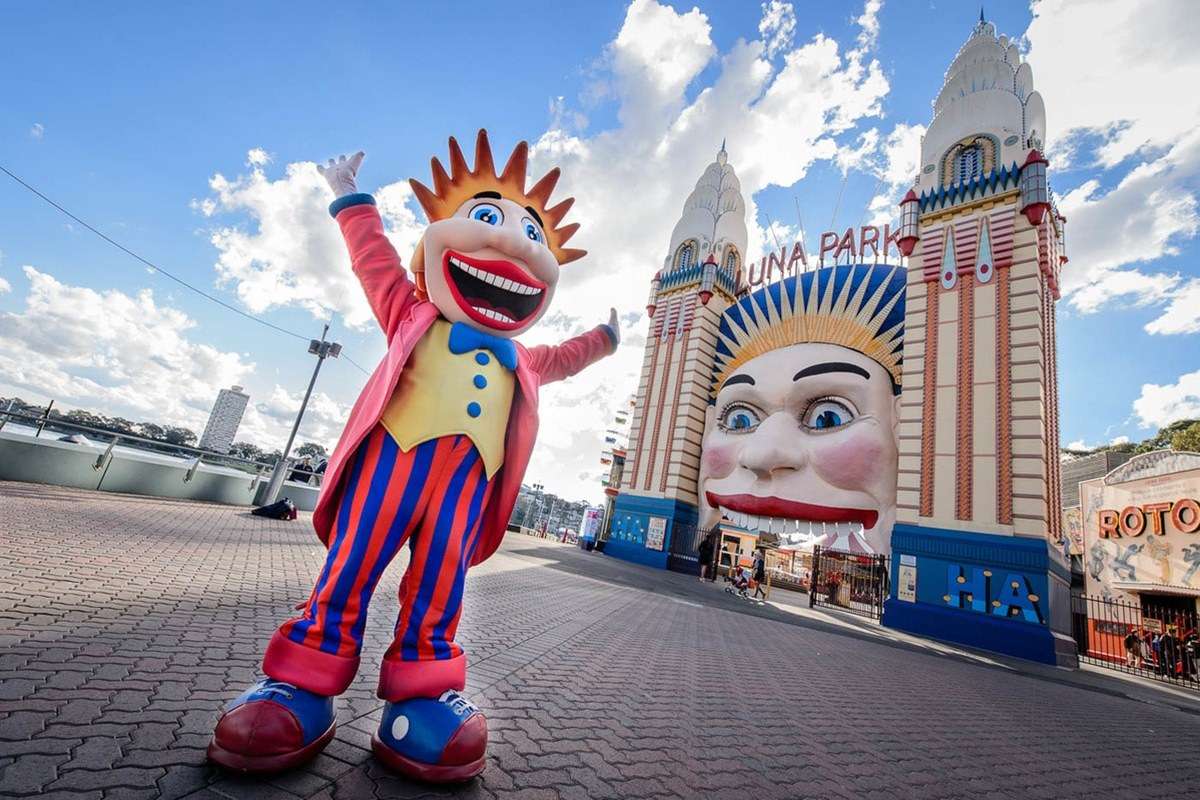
{"x":683,"y":551}
{"x":854,"y":582}
{"x":1155,"y":639}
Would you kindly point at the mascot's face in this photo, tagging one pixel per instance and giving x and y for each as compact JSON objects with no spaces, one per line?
{"x":802,"y":443}
{"x":489,"y":267}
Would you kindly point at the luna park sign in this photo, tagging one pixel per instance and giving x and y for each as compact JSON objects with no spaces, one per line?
{"x":867,"y":243}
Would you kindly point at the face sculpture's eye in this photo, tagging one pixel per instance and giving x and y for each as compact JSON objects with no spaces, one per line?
{"x":827,"y":414}
{"x":486,"y":212}
{"x":739,"y":418}
{"x":532,"y":231}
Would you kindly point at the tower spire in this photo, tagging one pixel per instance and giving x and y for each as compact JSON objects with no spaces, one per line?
{"x":981,"y":19}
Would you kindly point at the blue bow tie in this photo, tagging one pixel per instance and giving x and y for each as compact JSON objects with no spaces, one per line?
{"x":464,"y":339}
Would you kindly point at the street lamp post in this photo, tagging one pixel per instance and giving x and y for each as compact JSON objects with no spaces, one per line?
{"x":322,"y":350}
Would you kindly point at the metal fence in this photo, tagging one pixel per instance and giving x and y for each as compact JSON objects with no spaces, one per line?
{"x":683,"y":549}
{"x":853,"y":582}
{"x":1153,"y":639}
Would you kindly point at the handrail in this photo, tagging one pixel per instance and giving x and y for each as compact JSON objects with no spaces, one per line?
{"x":157,"y":444}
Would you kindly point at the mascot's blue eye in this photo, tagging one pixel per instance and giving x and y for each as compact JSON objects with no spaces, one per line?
{"x":826,"y":414}
{"x":739,"y":419}
{"x":532,"y":231}
{"x":486,"y":212}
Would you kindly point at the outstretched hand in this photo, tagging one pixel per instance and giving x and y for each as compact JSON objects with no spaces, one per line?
{"x":612,"y":323}
{"x":342,"y":174}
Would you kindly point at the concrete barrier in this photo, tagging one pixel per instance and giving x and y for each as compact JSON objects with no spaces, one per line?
{"x":130,"y":471}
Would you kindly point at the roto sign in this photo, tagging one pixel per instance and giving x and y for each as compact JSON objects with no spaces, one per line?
{"x":1135,"y":520}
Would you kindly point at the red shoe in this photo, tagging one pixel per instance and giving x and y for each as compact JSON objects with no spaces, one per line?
{"x":438,"y":741}
{"x":271,"y":727}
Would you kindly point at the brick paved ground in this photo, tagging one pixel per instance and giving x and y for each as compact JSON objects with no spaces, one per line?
{"x":126,"y":623}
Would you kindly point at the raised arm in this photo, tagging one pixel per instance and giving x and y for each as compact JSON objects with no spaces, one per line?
{"x":555,"y":362}
{"x":374,"y":260}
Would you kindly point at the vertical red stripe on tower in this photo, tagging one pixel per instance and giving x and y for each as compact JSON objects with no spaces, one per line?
{"x":639,"y":454}
{"x":929,"y":397}
{"x":674,"y":418}
{"x":1004,"y":469}
{"x":965,"y":423}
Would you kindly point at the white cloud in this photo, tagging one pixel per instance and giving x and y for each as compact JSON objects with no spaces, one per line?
{"x":132,"y":356}
{"x":37,"y":131}
{"x":868,"y":36}
{"x":1182,"y":314}
{"x":267,"y":422}
{"x":777,"y":28}
{"x":1161,"y":405}
{"x":291,"y":252}
{"x":112,"y":352}
{"x":258,"y":157}
{"x":1110,"y":73}
{"x":895,"y":164}
{"x":1116,"y":69}
{"x":5,"y":286}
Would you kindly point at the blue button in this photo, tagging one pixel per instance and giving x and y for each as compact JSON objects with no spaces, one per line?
{"x":474,"y":410}
{"x":480,"y":382}
{"x":482,"y":358}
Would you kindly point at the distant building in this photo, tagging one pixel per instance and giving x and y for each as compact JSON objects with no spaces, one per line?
{"x":1085,"y":468}
{"x":224,"y":420}
{"x":540,"y":510}
{"x":1076,"y":471}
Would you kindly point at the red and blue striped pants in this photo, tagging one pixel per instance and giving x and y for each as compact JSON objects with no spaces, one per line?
{"x":432,"y":497}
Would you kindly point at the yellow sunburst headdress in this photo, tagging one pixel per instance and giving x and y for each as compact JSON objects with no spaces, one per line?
{"x":859,"y":307}
{"x":450,"y":190}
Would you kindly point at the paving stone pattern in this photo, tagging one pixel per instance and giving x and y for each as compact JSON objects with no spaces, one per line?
{"x":126,"y":623}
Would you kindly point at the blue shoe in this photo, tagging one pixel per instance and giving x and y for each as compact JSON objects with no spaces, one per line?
{"x":439,"y":741}
{"x":271,"y":727}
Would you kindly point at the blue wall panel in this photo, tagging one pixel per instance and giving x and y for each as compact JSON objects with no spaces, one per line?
{"x":981,"y":590}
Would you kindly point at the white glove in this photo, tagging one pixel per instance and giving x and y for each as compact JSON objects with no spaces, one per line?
{"x":341,"y":174}
{"x":612,"y":323}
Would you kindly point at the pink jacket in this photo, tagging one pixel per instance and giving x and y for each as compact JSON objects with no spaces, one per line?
{"x":404,"y":320}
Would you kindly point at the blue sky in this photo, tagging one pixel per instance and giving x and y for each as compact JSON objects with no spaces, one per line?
{"x":126,"y":113}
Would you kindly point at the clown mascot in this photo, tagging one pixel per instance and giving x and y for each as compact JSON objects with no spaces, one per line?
{"x":433,"y":455}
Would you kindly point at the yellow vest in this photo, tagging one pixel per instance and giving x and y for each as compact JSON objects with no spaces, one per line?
{"x":443,"y":394}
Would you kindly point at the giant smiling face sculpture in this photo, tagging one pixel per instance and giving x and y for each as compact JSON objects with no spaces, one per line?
{"x":801,"y":439}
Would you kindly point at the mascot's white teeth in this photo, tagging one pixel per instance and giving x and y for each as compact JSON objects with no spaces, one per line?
{"x":495,"y":280}
{"x":496,"y":315}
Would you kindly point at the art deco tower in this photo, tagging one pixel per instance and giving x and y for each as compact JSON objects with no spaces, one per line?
{"x":979,"y":447}
{"x":698,"y":280}
{"x":979,"y":478}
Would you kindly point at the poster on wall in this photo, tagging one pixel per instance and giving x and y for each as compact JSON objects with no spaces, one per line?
{"x":906,"y":588}
{"x":656,"y":532}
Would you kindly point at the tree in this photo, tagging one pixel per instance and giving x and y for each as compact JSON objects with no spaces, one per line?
{"x":1187,"y":439}
{"x":151,"y":431}
{"x":247,"y":451}
{"x":311,"y":449}
{"x":177,"y":435}
{"x":1163,"y":439}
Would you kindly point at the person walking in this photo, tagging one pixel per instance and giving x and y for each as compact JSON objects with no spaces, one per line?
{"x":705,"y":555}
{"x":759,"y":568}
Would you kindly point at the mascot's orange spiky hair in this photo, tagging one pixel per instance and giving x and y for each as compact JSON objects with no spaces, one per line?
{"x":461,"y":184}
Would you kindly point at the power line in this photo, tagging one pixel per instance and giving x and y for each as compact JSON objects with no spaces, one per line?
{"x":151,"y":264}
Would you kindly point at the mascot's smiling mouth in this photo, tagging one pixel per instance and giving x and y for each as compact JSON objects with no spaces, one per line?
{"x":498,"y":294}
